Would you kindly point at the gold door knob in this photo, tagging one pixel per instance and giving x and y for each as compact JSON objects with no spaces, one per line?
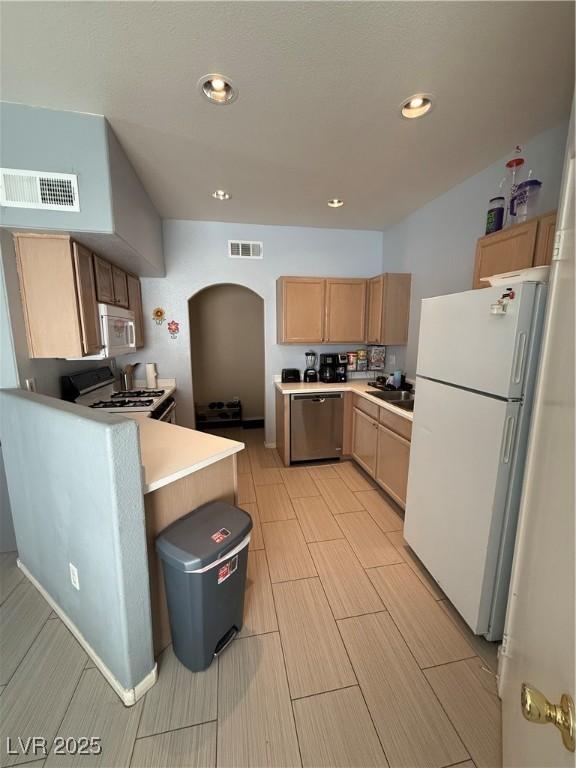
{"x":537,"y":709}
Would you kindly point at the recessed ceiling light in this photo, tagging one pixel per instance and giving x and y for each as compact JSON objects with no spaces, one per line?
{"x":335,"y":203}
{"x":218,"y":89}
{"x":221,"y":194}
{"x":416,"y":106}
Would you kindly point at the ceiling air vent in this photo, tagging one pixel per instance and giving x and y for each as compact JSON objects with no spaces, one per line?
{"x":245,"y":249}
{"x":39,"y":189}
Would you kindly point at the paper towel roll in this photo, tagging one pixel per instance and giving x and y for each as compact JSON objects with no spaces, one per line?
{"x":151,"y":376}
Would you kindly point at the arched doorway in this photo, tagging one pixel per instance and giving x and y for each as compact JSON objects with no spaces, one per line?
{"x":227,"y":355}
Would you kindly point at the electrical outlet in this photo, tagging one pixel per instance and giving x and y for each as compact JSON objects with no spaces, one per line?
{"x":74,"y":576}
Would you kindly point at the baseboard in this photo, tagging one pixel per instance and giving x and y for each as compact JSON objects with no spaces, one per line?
{"x":128,"y":696}
{"x":269,"y":445}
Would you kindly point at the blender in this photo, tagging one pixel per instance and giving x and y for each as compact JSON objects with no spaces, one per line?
{"x":310,"y":374}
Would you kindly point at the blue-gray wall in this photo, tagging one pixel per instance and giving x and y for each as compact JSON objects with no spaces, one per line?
{"x":196,"y":257}
{"x":75,"y":485}
{"x":437,"y":243}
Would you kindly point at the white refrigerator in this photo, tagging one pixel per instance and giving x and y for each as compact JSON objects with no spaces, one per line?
{"x":477,"y":361}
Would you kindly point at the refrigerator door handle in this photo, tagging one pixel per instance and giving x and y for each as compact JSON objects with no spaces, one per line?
{"x":507,"y":441}
{"x":519,"y":354}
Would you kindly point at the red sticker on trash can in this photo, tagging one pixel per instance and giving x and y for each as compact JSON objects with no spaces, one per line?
{"x":227,"y":569}
{"x":220,"y":535}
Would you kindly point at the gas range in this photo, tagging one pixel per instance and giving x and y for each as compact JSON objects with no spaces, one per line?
{"x":96,"y":389}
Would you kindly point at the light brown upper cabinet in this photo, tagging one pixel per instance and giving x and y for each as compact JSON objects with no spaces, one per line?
{"x":58,"y":296}
{"x":135,"y":304}
{"x":119,"y":279}
{"x":388,"y":308}
{"x":300,"y":307}
{"x":345,"y":310}
{"x":519,"y":247}
{"x":104,"y":280}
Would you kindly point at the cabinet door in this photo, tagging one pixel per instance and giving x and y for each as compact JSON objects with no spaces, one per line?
{"x":87,"y":301}
{"x":505,"y":251}
{"x":393,"y":456}
{"x":135,"y":304}
{"x":396,"y":308}
{"x":364,"y":441}
{"x":345,"y":310}
{"x":545,"y":240}
{"x":374,"y":314}
{"x":104,"y":282}
{"x":120,"y":287}
{"x":300,"y":310}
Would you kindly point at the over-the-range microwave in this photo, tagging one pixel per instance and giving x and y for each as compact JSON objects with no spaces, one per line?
{"x":118,"y":332}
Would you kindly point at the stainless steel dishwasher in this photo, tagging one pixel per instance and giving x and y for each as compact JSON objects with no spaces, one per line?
{"x":316,"y":426}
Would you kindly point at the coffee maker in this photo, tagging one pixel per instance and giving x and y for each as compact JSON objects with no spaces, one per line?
{"x":327,"y":372}
{"x":341,"y":366}
{"x":310,"y":374}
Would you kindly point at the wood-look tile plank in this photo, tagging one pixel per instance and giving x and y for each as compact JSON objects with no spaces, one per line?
{"x":468,"y":694}
{"x":2,"y":689}
{"x":193,"y":747}
{"x":381,"y":511}
{"x":337,"y":495}
{"x":265,"y":458}
{"x":354,"y":477}
{"x":413,"y":729}
{"x":488,"y":651}
{"x":429,"y":633}
{"x":10,"y":574}
{"x":348,"y":588}
{"x":40,"y":690}
{"x":335,"y":731}
{"x":299,"y":483}
{"x":95,"y":709}
{"x":288,"y":555}
{"x":22,"y":616}
{"x":268,"y":476}
{"x":255,"y":721}
{"x":245,"y":493}
{"x":415,"y":564}
{"x":316,"y":660}
{"x":316,"y":520}
{"x":243,"y":466}
{"x":180,"y":697}
{"x":274,"y":503}
{"x":322,"y":471}
{"x":369,"y":543}
{"x":259,"y":611}
{"x":256,"y":540}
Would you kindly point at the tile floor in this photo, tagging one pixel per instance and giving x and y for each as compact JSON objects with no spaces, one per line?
{"x":350,"y":654}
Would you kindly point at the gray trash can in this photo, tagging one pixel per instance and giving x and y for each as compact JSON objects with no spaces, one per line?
{"x":205,"y":555}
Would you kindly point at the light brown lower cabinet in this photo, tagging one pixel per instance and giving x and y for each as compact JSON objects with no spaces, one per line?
{"x":365,"y":441}
{"x":392,"y":460}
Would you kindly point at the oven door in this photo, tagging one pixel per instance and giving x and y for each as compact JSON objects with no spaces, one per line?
{"x":166,"y":411}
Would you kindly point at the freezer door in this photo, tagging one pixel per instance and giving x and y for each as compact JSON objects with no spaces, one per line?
{"x":460,"y":460}
{"x":464,"y":341}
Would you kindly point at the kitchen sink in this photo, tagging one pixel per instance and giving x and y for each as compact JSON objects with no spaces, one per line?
{"x":406,"y":405}
{"x":391,"y":396}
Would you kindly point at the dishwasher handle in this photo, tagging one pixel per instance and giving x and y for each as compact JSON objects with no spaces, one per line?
{"x":320,"y":397}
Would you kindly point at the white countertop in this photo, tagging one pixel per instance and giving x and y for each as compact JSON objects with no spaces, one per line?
{"x":358,"y":386}
{"x":170,"y":452}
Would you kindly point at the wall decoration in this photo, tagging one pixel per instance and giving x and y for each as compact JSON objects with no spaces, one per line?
{"x":159,"y":315}
{"x":173,"y":329}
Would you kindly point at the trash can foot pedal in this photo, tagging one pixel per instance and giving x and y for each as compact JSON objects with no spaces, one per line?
{"x":225,"y":641}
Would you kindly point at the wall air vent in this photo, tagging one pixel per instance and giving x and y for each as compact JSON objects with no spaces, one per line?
{"x":245,"y":249}
{"x":39,"y":189}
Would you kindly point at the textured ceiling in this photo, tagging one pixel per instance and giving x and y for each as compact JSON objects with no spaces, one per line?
{"x":320,"y":84}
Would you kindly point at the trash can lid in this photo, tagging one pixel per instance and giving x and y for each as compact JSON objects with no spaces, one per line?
{"x":203,"y":536}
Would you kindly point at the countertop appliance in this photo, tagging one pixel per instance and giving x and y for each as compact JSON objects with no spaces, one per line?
{"x":341,"y":366}
{"x":316,"y":426}
{"x":477,"y":362}
{"x":327,"y":371}
{"x":310,"y":374}
{"x":290,"y":375}
{"x":118,"y":332}
{"x":95,"y":388}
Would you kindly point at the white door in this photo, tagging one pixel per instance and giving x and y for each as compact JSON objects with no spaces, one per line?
{"x":462,"y":341}
{"x":461,"y":456}
{"x":540,"y":638}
